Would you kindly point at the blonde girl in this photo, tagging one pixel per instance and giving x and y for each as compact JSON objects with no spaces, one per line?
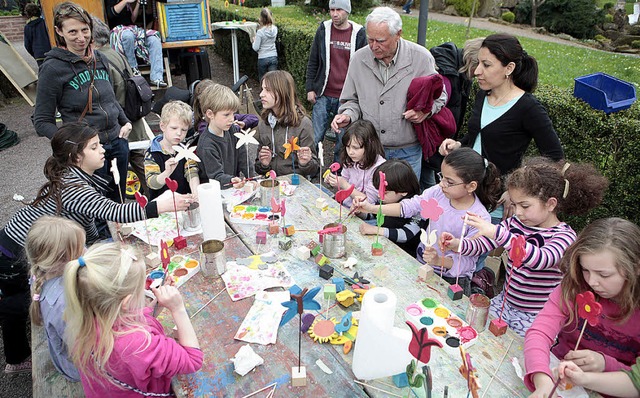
{"x":51,"y":243}
{"x":264,"y":43}
{"x":605,"y":261}
{"x":117,"y":345}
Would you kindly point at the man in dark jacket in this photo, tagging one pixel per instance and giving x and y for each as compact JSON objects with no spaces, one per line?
{"x":333,"y":45}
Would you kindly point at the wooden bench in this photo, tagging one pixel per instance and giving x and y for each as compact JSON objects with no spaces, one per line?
{"x":47,"y":381}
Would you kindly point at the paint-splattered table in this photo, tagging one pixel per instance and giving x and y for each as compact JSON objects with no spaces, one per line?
{"x":492,"y":356}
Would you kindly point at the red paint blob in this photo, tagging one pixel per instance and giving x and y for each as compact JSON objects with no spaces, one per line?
{"x":467,"y":333}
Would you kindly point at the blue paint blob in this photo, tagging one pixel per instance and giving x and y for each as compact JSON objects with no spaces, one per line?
{"x":426,"y":320}
{"x":264,"y":209}
{"x":156,"y":275}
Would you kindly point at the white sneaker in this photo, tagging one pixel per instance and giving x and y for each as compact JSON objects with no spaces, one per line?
{"x":135,"y":71}
{"x":158,"y":83}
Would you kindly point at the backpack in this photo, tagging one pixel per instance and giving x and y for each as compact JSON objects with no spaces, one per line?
{"x":138,"y":95}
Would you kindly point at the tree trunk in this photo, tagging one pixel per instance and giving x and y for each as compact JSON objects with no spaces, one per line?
{"x":534,"y":8}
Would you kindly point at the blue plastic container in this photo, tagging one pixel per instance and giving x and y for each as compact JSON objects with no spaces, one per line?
{"x":604,"y":92}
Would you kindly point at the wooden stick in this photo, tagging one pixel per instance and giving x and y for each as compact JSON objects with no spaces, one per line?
{"x":208,"y":302}
{"x":464,"y":225}
{"x":584,"y":326}
{"x":260,"y":390}
{"x":555,"y":387}
{"x":376,"y":388}
{"x":498,"y":368}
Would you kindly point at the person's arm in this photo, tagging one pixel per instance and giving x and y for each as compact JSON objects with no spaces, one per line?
{"x":617,"y":384}
{"x":191,"y":174}
{"x":361,"y":39}
{"x":213,"y":163}
{"x":306,"y":140}
{"x":156,"y":178}
{"x":314,"y":60}
{"x":264,"y":142}
{"x":250,"y":121}
{"x":402,"y":234}
{"x":115,"y":8}
{"x":49,"y":95}
{"x":257,"y":42}
{"x":350,"y":105}
{"x":28,"y":40}
{"x":537,"y":123}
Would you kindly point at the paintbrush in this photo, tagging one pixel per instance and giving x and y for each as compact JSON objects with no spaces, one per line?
{"x":244,"y":180}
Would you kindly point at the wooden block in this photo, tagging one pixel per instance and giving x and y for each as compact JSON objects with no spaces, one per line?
{"x":274,"y":228}
{"x":289,"y":230}
{"x":298,"y":376}
{"x":326,"y":271}
{"x":180,"y":242}
{"x":302,"y":253}
{"x":321,"y":203}
{"x":498,"y":327}
{"x":376,"y":249}
{"x":285,"y":243}
{"x":339,"y":282}
{"x":295,"y":179}
{"x":425,"y":272}
{"x":401,"y":380}
{"x":314,"y":248}
{"x":152,"y":259}
{"x":454,"y":292}
{"x":321,"y":259}
{"x":261,"y":237}
{"x":329,"y":291}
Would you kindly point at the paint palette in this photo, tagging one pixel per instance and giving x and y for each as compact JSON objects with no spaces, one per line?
{"x":250,"y":214}
{"x":181,"y":269}
{"x":442,"y":324}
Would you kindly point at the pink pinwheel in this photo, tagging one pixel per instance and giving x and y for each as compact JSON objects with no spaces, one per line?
{"x":272,"y":174}
{"x":275,"y":207}
{"x":382,"y":188}
{"x":334,"y":167}
{"x":518,"y":250}
{"x":588,"y":307}
{"x":420,"y":345}
{"x":430,"y":209}
{"x":342,"y":195}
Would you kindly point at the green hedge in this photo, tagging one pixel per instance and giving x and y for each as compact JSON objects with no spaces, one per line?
{"x":611,"y":142}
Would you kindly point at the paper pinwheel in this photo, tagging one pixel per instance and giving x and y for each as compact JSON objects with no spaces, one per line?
{"x":115,"y":171}
{"x":430,"y":209}
{"x":272,"y":174}
{"x":588,"y":307}
{"x":185,"y":153}
{"x":518,"y":250}
{"x":428,"y":239}
{"x":275,"y":206}
{"x":382,"y":188}
{"x":420,"y":345}
{"x":342,"y":195}
{"x":334,"y":167}
{"x":321,"y":156}
{"x":308,"y":303}
{"x":246,"y":138}
{"x":290,"y":146}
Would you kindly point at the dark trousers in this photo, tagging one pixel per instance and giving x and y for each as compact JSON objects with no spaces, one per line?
{"x":266,"y":65}
{"x":14,"y":309}
{"x":116,"y":149}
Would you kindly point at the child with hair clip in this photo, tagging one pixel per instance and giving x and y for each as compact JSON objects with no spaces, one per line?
{"x":221,"y":160}
{"x":160,"y":158}
{"x":539,"y":190}
{"x":468,"y":183}
{"x":119,"y":348}
{"x":604,"y":261}
{"x":72,"y":191}
{"x":283,"y":118}
{"x":51,"y":243}
{"x":360,"y":154}
{"x":264,"y":43}
{"x":402,"y":184}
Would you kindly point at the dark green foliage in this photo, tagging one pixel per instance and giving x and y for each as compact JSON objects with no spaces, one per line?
{"x":463,"y":7}
{"x":508,"y":17}
{"x":356,"y":5}
{"x":577,"y":18}
{"x":257,"y":3}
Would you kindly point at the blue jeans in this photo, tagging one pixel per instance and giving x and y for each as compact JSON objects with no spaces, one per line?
{"x":412,"y":154}
{"x":266,"y":65}
{"x":116,"y":149}
{"x":154,"y":45}
{"x":407,"y":6}
{"x":324,"y":110}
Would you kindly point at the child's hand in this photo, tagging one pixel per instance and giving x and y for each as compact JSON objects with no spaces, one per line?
{"x":448,"y":145}
{"x":304,"y":155}
{"x":485,"y":228}
{"x":165,"y":202}
{"x":169,"y":297}
{"x":264,"y":156}
{"x":570,"y":372}
{"x":239,"y":123}
{"x":430,"y":255}
{"x":587,"y":360}
{"x":237,"y":182}
{"x":368,"y":229}
{"x":360,"y":204}
{"x":340,"y":121}
{"x":448,"y":242}
{"x":331,"y":180}
{"x":170,"y":166}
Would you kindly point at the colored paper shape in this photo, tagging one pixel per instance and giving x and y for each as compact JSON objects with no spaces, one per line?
{"x":185,"y":153}
{"x":321,"y":154}
{"x":283,"y":207}
{"x":164,"y":255}
{"x":344,"y":194}
{"x":428,"y":239}
{"x":588,"y":308}
{"x":115,"y":171}
{"x":430,"y":209}
{"x":275,"y":207}
{"x":518,"y":250}
{"x":379,"y":217}
{"x":307,"y":302}
{"x":272,"y":174}
{"x":382,"y":188}
{"x":335,"y":166}
{"x":290,"y":146}
{"x":420,"y":345}
{"x":141,"y":199}
{"x":171,"y":184}
{"x":246,"y":138}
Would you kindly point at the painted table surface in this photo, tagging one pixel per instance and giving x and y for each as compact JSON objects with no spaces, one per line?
{"x":215,"y":327}
{"x":396,"y":270}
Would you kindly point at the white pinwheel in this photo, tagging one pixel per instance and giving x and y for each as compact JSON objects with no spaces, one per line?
{"x":185,"y":153}
{"x":428,"y":239}
{"x":245,"y":138}
{"x":114,"y":171}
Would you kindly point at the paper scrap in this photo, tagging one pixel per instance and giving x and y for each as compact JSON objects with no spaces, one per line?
{"x":245,"y":360}
{"x":324,"y":367}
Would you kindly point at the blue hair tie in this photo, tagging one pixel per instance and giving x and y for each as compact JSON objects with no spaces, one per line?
{"x":81,"y":261}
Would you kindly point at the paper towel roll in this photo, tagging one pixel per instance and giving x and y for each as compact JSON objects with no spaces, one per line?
{"x":211,"y":215}
{"x":381,"y":349}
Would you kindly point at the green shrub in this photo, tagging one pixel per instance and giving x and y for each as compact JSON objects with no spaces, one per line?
{"x":257,"y":3}
{"x":577,"y":18}
{"x":508,"y":17}
{"x":463,"y":7}
{"x":608,"y":6}
{"x":635,"y":44}
{"x":599,"y":37}
{"x":608,"y":18}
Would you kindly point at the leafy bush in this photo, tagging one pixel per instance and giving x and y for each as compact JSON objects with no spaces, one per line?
{"x":463,"y":7}
{"x":608,"y":6}
{"x":508,"y":17}
{"x":599,"y":37}
{"x":635,"y":44}
{"x":608,"y":18}
{"x":577,"y":18}
{"x":257,"y":3}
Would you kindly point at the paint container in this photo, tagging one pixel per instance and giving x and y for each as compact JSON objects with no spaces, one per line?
{"x":268,"y":189}
{"x":334,"y":245}
{"x":212,"y":258}
{"x":478,"y":311}
{"x":191,"y":221}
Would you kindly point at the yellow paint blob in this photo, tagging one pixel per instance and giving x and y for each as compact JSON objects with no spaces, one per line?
{"x":441,"y":312}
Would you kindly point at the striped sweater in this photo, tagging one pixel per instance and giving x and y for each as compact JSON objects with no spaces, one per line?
{"x":82,"y":201}
{"x":530,"y":284}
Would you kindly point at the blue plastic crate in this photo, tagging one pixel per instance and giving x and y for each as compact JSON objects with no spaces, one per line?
{"x":604,"y":92}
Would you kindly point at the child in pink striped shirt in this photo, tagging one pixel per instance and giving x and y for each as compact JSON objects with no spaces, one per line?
{"x":538,"y":191}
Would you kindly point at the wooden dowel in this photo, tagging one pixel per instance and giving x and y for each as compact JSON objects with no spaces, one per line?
{"x":208,"y":302}
{"x":377,"y":389}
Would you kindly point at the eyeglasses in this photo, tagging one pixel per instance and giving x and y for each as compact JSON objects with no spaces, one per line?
{"x":446,"y":184}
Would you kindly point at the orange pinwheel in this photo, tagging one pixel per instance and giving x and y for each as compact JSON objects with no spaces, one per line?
{"x":290,"y":146}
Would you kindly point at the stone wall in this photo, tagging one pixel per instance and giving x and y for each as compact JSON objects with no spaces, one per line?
{"x":13,"y":27}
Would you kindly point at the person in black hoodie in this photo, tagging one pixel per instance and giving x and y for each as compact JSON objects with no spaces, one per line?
{"x":75,"y":79}
{"x":36,"y":38}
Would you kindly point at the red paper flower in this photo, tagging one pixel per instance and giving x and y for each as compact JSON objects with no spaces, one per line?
{"x":290,"y":146}
{"x":420,"y":345}
{"x":141,"y":199}
{"x":342,"y":195}
{"x":171,"y":184}
{"x":518,"y":250}
{"x":383,"y":185}
{"x":430,"y":209}
{"x":588,"y":307}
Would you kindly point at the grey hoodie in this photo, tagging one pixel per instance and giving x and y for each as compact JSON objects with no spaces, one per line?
{"x":64,"y":82}
{"x":265,"y":42}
